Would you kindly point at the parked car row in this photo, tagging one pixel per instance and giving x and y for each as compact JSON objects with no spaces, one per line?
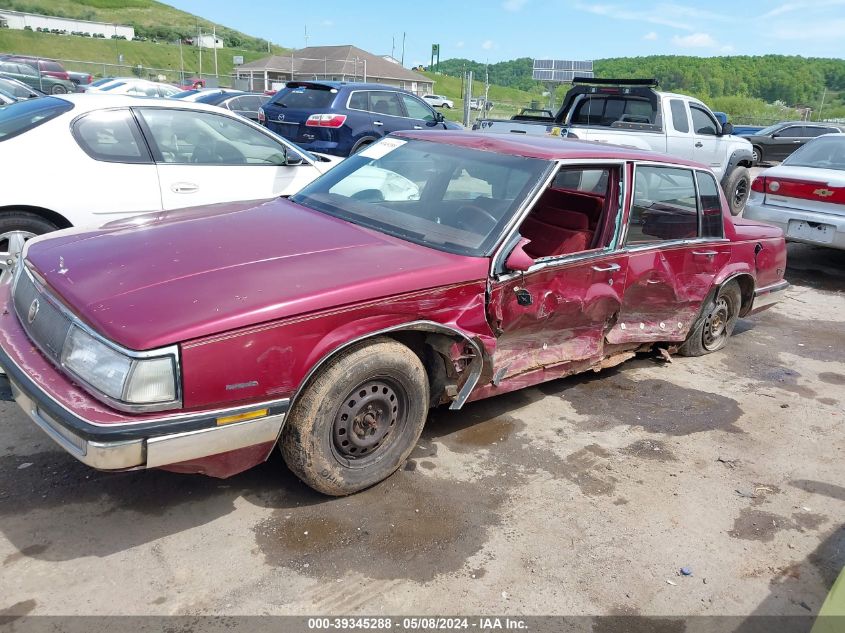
{"x":145,"y":155}
{"x":342,"y":118}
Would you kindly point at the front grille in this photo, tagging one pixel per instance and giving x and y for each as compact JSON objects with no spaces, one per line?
{"x":50,"y":326}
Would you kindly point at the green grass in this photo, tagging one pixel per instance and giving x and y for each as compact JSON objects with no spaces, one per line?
{"x":506,"y":101}
{"x":148,"y":54}
{"x":138,"y":13}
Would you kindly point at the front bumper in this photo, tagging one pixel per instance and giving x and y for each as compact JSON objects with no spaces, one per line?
{"x":106,"y":439}
{"x":782,"y":216}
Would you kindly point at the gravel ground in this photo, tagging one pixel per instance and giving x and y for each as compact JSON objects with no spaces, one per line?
{"x":583,"y":496}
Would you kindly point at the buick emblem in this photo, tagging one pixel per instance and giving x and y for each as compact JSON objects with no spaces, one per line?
{"x":823,"y":193}
{"x":33,"y":311}
{"x":281,"y":117}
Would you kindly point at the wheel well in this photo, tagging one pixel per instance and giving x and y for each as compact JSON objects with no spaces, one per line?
{"x":51,"y":216}
{"x":746,"y":289}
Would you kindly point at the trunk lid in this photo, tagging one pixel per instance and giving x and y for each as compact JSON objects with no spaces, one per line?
{"x":806,"y":188}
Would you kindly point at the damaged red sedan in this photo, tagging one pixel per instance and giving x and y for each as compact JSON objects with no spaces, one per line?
{"x":429,"y":269}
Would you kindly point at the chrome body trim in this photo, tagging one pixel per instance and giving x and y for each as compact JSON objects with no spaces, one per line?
{"x":767,"y":296}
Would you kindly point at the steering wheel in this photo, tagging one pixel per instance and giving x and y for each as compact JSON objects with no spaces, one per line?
{"x":471,"y":217}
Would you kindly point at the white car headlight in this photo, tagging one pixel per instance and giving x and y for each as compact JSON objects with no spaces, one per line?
{"x":134,"y":381}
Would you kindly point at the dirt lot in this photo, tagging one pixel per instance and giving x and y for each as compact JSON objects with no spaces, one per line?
{"x":583,"y":496}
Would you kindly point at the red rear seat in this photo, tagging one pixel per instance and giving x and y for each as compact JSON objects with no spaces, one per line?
{"x":590,"y":204}
{"x":556,"y":232}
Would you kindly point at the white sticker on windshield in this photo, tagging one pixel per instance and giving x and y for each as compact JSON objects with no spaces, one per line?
{"x":382,"y":148}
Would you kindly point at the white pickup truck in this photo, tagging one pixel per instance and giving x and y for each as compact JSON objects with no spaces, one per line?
{"x":631,"y":112}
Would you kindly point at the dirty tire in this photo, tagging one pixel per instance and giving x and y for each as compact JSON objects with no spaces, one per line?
{"x":716,"y":324}
{"x":380,"y":374}
{"x":737,"y":188}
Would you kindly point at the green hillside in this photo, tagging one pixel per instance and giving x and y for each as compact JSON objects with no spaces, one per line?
{"x":149,"y":54}
{"x":507,"y":101}
{"x":151,"y":19}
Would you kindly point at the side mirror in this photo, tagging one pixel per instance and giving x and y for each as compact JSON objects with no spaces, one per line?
{"x":292,"y":159}
{"x":439,"y":117}
{"x":728,"y":128}
{"x":518,"y":258}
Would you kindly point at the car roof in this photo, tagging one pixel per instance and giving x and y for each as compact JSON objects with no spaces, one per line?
{"x":84,"y":102}
{"x":348,"y":84}
{"x":543,"y":147}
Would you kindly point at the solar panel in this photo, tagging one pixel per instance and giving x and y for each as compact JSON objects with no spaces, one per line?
{"x":560,"y":70}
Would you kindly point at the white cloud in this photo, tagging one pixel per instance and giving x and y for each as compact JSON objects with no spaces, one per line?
{"x":791,"y":7}
{"x":487,"y":45}
{"x":459,"y":44}
{"x":727,"y":48}
{"x":695,"y":40}
{"x":665,"y":14}
{"x":651,"y":35}
{"x":328,"y":23}
{"x":513,"y":5}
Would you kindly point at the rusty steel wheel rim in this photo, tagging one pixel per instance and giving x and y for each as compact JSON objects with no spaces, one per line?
{"x":368,"y":420}
{"x":716,"y":324}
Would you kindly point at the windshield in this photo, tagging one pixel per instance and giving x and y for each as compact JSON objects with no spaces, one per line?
{"x":17,"y":118}
{"x":826,"y":152}
{"x":443,"y":196}
{"x":101,"y":82}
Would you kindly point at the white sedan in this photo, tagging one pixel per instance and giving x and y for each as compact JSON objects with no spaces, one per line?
{"x":438,"y":101}
{"x":805,"y":194}
{"x":134,"y":87}
{"x":83,"y":160}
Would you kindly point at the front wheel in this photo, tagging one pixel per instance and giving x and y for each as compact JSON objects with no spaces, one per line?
{"x":757,"y":155}
{"x":359,"y":419}
{"x":717,"y":323}
{"x":737,"y":188}
{"x":58,"y":90}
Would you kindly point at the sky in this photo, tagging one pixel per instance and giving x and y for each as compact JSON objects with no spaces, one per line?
{"x":497,"y":30}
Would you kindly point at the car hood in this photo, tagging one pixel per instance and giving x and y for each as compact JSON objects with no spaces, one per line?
{"x":174,"y":277}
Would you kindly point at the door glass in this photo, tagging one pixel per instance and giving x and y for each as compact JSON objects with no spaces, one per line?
{"x":702,"y":122}
{"x":358,"y":100}
{"x":790,"y":132}
{"x":417,"y":110}
{"x":680,"y":120}
{"x":202,"y":138}
{"x":712,"y":224}
{"x":811,"y":131}
{"x":236,"y":103}
{"x":664,"y":206}
{"x":111,"y":136}
{"x":382,"y":102}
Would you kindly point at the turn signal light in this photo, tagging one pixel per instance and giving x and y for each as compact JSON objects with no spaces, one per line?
{"x":262,"y":118}
{"x":325,"y":120}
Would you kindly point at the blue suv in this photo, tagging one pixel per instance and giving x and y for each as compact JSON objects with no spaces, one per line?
{"x":340,"y":118}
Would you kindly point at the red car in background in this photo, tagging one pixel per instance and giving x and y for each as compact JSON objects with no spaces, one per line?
{"x":428,"y":269}
{"x":44,"y":66}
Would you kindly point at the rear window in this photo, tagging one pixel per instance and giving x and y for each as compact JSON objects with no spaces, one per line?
{"x":312,"y":97}
{"x":112,"y":86}
{"x":53,"y":67}
{"x":20,"y":117}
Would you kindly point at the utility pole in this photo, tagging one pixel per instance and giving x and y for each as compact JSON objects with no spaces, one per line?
{"x":199,"y":43}
{"x":214,"y":43}
{"x":181,"y":63}
{"x":821,"y":106}
{"x":467,"y":98}
{"x":403,"y":49}
{"x":393,"y":46}
{"x":306,"y":36}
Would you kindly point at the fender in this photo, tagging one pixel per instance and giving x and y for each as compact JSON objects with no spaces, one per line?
{"x":738,"y":157}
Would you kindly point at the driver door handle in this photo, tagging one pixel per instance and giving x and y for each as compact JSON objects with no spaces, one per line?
{"x":184,"y":187}
{"x":705,"y":253}
{"x":699,"y":144}
{"x":377,"y":123}
{"x":417,"y":127}
{"x":610,"y":268}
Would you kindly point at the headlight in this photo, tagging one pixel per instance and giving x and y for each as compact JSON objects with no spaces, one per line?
{"x":134,"y":381}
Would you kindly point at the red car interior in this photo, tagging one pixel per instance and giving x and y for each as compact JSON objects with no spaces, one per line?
{"x":563,"y":222}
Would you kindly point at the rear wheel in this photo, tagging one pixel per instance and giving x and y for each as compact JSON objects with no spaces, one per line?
{"x":361,"y":145}
{"x":717,"y":323}
{"x":737,"y":188}
{"x":15,"y":228}
{"x":757,"y":154}
{"x":359,"y":419}
{"x":58,"y":90}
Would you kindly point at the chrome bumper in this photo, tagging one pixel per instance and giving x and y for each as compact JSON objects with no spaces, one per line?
{"x":767,"y":296}
{"x":156,"y":447}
